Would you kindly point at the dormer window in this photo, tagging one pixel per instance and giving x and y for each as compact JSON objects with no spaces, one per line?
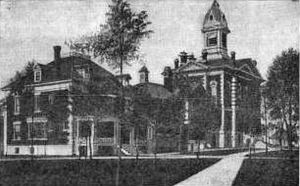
{"x":211,"y":17}
{"x":37,"y":76}
{"x":83,"y":72}
{"x":37,"y":73}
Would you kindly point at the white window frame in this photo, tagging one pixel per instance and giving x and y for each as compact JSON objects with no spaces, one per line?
{"x":51,"y":99}
{"x":17,"y":105}
{"x":15,"y":137}
{"x":36,"y":79}
{"x":214,"y":90}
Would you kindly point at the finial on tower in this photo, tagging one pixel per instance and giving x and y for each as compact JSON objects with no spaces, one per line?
{"x":215,"y":3}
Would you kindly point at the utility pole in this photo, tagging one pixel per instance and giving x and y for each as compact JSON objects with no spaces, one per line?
{"x":263,"y":95}
{"x":266,"y":123}
{"x":31,"y":126}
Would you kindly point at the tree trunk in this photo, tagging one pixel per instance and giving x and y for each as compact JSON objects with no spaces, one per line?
{"x":198,"y":152}
{"x":289,"y":137}
{"x":90,"y":147}
{"x":155,"y":145}
{"x":137,"y":148}
{"x":86,"y":147}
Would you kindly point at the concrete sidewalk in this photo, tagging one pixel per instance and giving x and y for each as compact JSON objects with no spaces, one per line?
{"x":222,"y":173}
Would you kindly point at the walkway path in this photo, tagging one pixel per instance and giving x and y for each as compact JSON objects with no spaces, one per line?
{"x":222,"y":173}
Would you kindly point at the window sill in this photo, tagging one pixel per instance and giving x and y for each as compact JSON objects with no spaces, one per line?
{"x":16,"y":113}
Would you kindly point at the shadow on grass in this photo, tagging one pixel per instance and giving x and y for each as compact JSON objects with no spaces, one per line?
{"x":268,"y":172}
{"x":294,"y":154}
{"x":100,"y":172}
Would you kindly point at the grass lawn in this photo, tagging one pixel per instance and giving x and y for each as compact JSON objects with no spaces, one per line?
{"x":279,"y":154}
{"x":268,"y":172}
{"x":100,"y":172}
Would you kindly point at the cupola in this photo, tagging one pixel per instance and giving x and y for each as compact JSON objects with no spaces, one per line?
{"x":144,"y":75}
{"x":215,"y":30}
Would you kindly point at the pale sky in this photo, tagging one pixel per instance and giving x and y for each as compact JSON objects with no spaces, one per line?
{"x":259,"y":30}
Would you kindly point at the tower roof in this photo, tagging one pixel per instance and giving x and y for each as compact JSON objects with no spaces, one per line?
{"x":214,"y":17}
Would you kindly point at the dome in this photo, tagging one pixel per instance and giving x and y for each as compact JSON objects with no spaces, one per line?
{"x":215,"y":17}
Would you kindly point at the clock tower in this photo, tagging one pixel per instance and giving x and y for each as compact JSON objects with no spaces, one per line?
{"x":215,"y":30}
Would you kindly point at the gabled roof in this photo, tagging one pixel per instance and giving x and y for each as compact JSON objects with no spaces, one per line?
{"x":243,"y":65}
{"x":192,"y":66}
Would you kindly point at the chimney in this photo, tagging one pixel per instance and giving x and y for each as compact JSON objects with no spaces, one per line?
{"x":233,"y":58}
{"x":183,"y":57}
{"x":191,"y":57}
{"x":232,"y":55}
{"x":204,"y":55}
{"x":176,"y":63}
{"x":57,"y":50}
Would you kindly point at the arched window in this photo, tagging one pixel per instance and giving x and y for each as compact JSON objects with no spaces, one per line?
{"x":213,"y":88}
{"x":37,"y":73}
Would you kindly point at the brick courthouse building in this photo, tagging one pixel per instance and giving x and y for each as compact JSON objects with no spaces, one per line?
{"x":233,"y":82}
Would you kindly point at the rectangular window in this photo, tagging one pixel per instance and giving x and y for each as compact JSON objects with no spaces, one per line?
{"x":17,"y":105}
{"x":212,"y":39}
{"x":37,"y":103}
{"x":83,"y":72}
{"x":224,"y":40}
{"x":51,"y":99}
{"x":37,"y":130}
{"x":150,"y":132}
{"x":37,"y":76}
{"x":17,"y":131}
{"x":65,"y":125}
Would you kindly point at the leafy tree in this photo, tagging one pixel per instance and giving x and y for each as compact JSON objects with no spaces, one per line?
{"x":282,"y":90}
{"x":21,"y":78}
{"x":204,"y":118}
{"x":203,"y":112}
{"x":160,"y":114}
{"x":118,"y":40}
